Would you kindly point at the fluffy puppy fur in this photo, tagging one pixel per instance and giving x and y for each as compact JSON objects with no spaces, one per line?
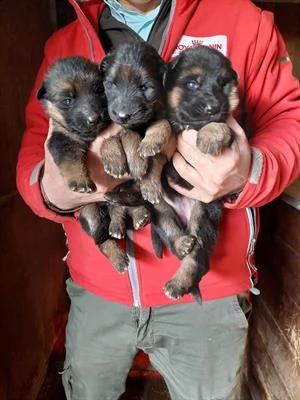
{"x":73,"y":95}
{"x":134,"y":84}
{"x":202,"y":92}
{"x":133,"y":81}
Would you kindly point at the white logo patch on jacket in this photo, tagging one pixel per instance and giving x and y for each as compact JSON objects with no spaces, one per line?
{"x":218,"y":42}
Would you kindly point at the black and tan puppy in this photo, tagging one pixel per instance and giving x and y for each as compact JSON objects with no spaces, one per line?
{"x":73,"y":95}
{"x":202,"y":92}
{"x":133,"y":81}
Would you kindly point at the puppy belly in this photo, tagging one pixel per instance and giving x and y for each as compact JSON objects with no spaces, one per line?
{"x":182,"y":206}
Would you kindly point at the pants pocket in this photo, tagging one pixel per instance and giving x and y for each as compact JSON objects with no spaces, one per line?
{"x":66,"y":376}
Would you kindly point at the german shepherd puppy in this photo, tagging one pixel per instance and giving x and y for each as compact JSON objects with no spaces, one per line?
{"x":133,"y":81}
{"x":202,"y":91}
{"x":73,"y":95}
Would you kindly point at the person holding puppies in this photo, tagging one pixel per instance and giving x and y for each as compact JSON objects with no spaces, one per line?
{"x":197,"y":349}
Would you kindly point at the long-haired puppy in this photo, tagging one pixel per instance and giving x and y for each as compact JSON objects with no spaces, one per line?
{"x":133,"y":81}
{"x":73,"y":95}
{"x":202,"y":92}
{"x":134,"y":84}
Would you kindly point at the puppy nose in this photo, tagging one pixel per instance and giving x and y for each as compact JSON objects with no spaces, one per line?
{"x":122,"y":116}
{"x":211,"y":109}
{"x":92,"y":119}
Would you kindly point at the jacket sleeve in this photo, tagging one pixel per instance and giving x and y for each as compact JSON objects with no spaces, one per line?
{"x":272,"y":103}
{"x":31,"y":154}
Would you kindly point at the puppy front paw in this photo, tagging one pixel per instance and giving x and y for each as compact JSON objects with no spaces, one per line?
{"x":83,"y":185}
{"x":214,"y":138}
{"x":151,"y":190}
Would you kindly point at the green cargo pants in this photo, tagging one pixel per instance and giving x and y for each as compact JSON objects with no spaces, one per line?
{"x":197,"y":349}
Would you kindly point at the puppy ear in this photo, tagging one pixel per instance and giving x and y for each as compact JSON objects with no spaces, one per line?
{"x":104,"y":64}
{"x":41,"y":92}
{"x":172,"y":64}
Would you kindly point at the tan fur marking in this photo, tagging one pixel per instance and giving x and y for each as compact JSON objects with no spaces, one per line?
{"x":74,"y":170}
{"x":156,"y":137}
{"x":174,"y":97}
{"x":233,"y":98}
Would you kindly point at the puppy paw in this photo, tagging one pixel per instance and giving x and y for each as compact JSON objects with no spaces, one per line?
{"x":82,"y":186}
{"x":174,"y":290}
{"x":117,"y":231}
{"x":116,"y":168}
{"x":149,"y":149}
{"x":121,"y":263}
{"x":141,"y":218}
{"x":184,"y":245}
{"x":151,"y":191}
{"x":138,"y":167}
{"x":214,"y":138}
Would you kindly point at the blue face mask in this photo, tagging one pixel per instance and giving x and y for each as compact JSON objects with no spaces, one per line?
{"x":139,"y":22}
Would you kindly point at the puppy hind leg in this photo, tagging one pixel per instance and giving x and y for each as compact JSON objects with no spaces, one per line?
{"x":95,"y":220}
{"x":118,"y":219}
{"x":115,"y":254}
{"x":167,"y":226}
{"x":141,"y":216}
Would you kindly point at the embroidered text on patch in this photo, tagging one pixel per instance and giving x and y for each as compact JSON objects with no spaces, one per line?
{"x":218,"y":42}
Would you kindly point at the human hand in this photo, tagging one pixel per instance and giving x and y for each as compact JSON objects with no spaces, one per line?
{"x":56,"y":189}
{"x":212,"y":176}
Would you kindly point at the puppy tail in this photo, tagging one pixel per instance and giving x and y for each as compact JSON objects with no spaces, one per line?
{"x":195,"y":292}
{"x":157,"y":243}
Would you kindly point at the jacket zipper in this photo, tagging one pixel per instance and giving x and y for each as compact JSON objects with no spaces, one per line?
{"x":164,"y":35}
{"x":251,"y":214}
{"x":132,"y":269}
{"x":85,"y":31}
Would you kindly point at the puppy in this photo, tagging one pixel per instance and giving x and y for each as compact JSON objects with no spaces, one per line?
{"x":202,"y":92}
{"x":73,"y":95}
{"x":133,"y":81}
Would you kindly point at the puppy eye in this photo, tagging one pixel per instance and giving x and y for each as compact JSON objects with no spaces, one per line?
{"x":143,"y":87}
{"x":68,"y":101}
{"x":192,"y":85}
{"x":223,"y":81}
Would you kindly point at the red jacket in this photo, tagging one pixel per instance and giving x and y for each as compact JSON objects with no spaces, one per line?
{"x":269,"y":93}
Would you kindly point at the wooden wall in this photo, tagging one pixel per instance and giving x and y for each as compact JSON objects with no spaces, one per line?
{"x":274,"y":345}
{"x":274,"y":367}
{"x":32,"y":300}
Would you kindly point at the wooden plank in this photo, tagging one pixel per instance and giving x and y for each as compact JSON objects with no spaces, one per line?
{"x":32,"y":297}
{"x":275,"y":368}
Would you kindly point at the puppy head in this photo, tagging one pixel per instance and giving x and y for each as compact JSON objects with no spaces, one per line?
{"x":73,"y":95}
{"x":201,"y":88}
{"x":133,"y":81}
